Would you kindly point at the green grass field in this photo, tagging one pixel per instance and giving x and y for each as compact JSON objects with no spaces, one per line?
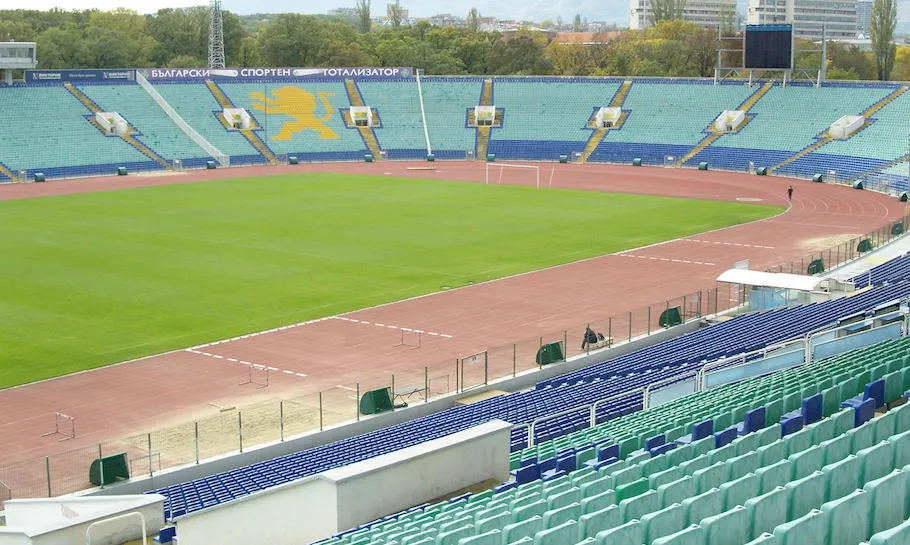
{"x":97,"y":278}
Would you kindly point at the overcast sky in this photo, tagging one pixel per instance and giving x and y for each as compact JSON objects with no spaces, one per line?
{"x":146,"y":6}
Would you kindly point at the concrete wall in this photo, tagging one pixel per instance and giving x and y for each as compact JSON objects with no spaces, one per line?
{"x":316,"y":507}
{"x":292,"y":513}
{"x":369,"y":424}
{"x":64,"y":521}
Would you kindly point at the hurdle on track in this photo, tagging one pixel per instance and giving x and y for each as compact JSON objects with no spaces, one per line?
{"x":412,"y":338}
{"x":257,"y":375}
{"x":64,"y":425}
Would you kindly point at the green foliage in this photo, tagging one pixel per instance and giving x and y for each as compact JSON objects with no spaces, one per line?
{"x":667,"y":10}
{"x":881,"y":32}
{"x":179,"y":38}
{"x":104,"y":277}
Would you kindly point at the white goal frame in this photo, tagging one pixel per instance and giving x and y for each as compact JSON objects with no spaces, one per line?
{"x":503,"y":166}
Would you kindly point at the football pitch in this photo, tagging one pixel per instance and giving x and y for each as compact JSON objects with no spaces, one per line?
{"x":97,"y":278}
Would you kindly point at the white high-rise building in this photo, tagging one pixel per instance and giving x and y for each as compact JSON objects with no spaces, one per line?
{"x":707,"y":13}
{"x":838,"y":17}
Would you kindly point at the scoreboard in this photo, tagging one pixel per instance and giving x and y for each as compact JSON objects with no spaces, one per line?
{"x":769,"y":47}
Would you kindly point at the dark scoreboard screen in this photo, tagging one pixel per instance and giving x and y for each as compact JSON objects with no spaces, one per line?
{"x":769,"y":47}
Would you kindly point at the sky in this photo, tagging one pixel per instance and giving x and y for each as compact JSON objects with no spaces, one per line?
{"x":534,"y":9}
{"x":146,"y":6}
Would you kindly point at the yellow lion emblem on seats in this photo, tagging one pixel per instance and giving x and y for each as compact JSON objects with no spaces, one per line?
{"x":299,"y":104}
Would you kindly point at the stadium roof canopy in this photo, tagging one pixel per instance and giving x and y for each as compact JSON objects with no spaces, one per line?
{"x":774,"y":280}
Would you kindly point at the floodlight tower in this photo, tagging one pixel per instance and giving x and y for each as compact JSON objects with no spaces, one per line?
{"x":216,"y":35}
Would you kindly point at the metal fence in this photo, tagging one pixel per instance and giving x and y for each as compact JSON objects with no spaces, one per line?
{"x":235,"y":430}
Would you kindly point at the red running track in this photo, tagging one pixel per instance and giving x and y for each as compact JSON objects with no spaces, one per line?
{"x":139,"y":396}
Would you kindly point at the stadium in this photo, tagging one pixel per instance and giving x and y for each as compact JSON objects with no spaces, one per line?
{"x":359,"y":306}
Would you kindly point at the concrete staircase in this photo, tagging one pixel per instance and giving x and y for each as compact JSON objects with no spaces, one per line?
{"x":8,"y":173}
{"x":483,"y":133}
{"x":714,"y":134}
{"x":367,"y":133}
{"x":250,"y":134}
{"x":600,"y":132}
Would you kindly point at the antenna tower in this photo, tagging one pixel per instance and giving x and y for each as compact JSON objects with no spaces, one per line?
{"x":216,"y":35}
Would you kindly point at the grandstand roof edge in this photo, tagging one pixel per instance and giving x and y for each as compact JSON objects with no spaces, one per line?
{"x":772,"y":280}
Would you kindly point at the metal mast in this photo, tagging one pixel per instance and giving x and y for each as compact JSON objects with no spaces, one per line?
{"x":216,"y":35}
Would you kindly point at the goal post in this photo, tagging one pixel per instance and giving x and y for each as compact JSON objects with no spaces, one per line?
{"x":527,"y":174}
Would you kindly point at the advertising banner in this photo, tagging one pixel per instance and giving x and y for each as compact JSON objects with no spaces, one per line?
{"x":38,"y":76}
{"x":153,"y":74}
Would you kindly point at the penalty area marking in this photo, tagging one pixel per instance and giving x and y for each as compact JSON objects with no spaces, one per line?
{"x":244,"y":362}
{"x":389,"y":326}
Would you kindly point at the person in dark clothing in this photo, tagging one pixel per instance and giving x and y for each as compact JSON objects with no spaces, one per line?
{"x":790,"y":193}
{"x":590,"y":338}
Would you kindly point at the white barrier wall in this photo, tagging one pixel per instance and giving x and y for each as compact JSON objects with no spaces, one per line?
{"x":316,"y":507}
{"x":393,"y":482}
{"x":847,"y":125}
{"x":729,"y":120}
{"x":64,"y":521}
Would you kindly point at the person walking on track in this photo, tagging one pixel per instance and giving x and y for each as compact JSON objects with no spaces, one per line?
{"x":790,"y":193}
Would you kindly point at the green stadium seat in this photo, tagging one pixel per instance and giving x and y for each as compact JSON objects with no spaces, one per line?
{"x":888,"y":496}
{"x":809,"y":529}
{"x":885,"y":426}
{"x":806,"y":494}
{"x":677,"y":491}
{"x":562,"y":499}
{"x":766,"y":511}
{"x":848,"y":518}
{"x":693,"y":535}
{"x":567,"y":532}
{"x":453,"y":536}
{"x":598,"y":502}
{"x":703,"y":505}
{"x":556,"y":517}
{"x":495,"y":522}
{"x":892,"y":536}
{"x":518,"y":530}
{"x":663,"y":522}
{"x":630,"y":533}
{"x":772,"y":453}
{"x":877,"y":461}
{"x":710,"y":477}
{"x":764,"y":539}
{"x":636,"y":507}
{"x":862,"y":437}
{"x":492,"y":537}
{"x":805,"y":462}
{"x":598,"y":521}
{"x":737,"y":491}
{"x":727,"y":528}
{"x":836,"y":449}
{"x":535,"y":508}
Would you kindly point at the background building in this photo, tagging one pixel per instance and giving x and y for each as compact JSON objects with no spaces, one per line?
{"x":708,"y":13}
{"x":838,"y":17}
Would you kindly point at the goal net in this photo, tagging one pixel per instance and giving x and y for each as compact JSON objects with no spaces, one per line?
{"x":504,"y":173}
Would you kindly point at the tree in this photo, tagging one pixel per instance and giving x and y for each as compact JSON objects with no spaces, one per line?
{"x":522,"y":54}
{"x":473,"y":20}
{"x":364,"y":20}
{"x":881,"y":32}
{"x":394,"y":13}
{"x":576,"y":23}
{"x":667,"y":10}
